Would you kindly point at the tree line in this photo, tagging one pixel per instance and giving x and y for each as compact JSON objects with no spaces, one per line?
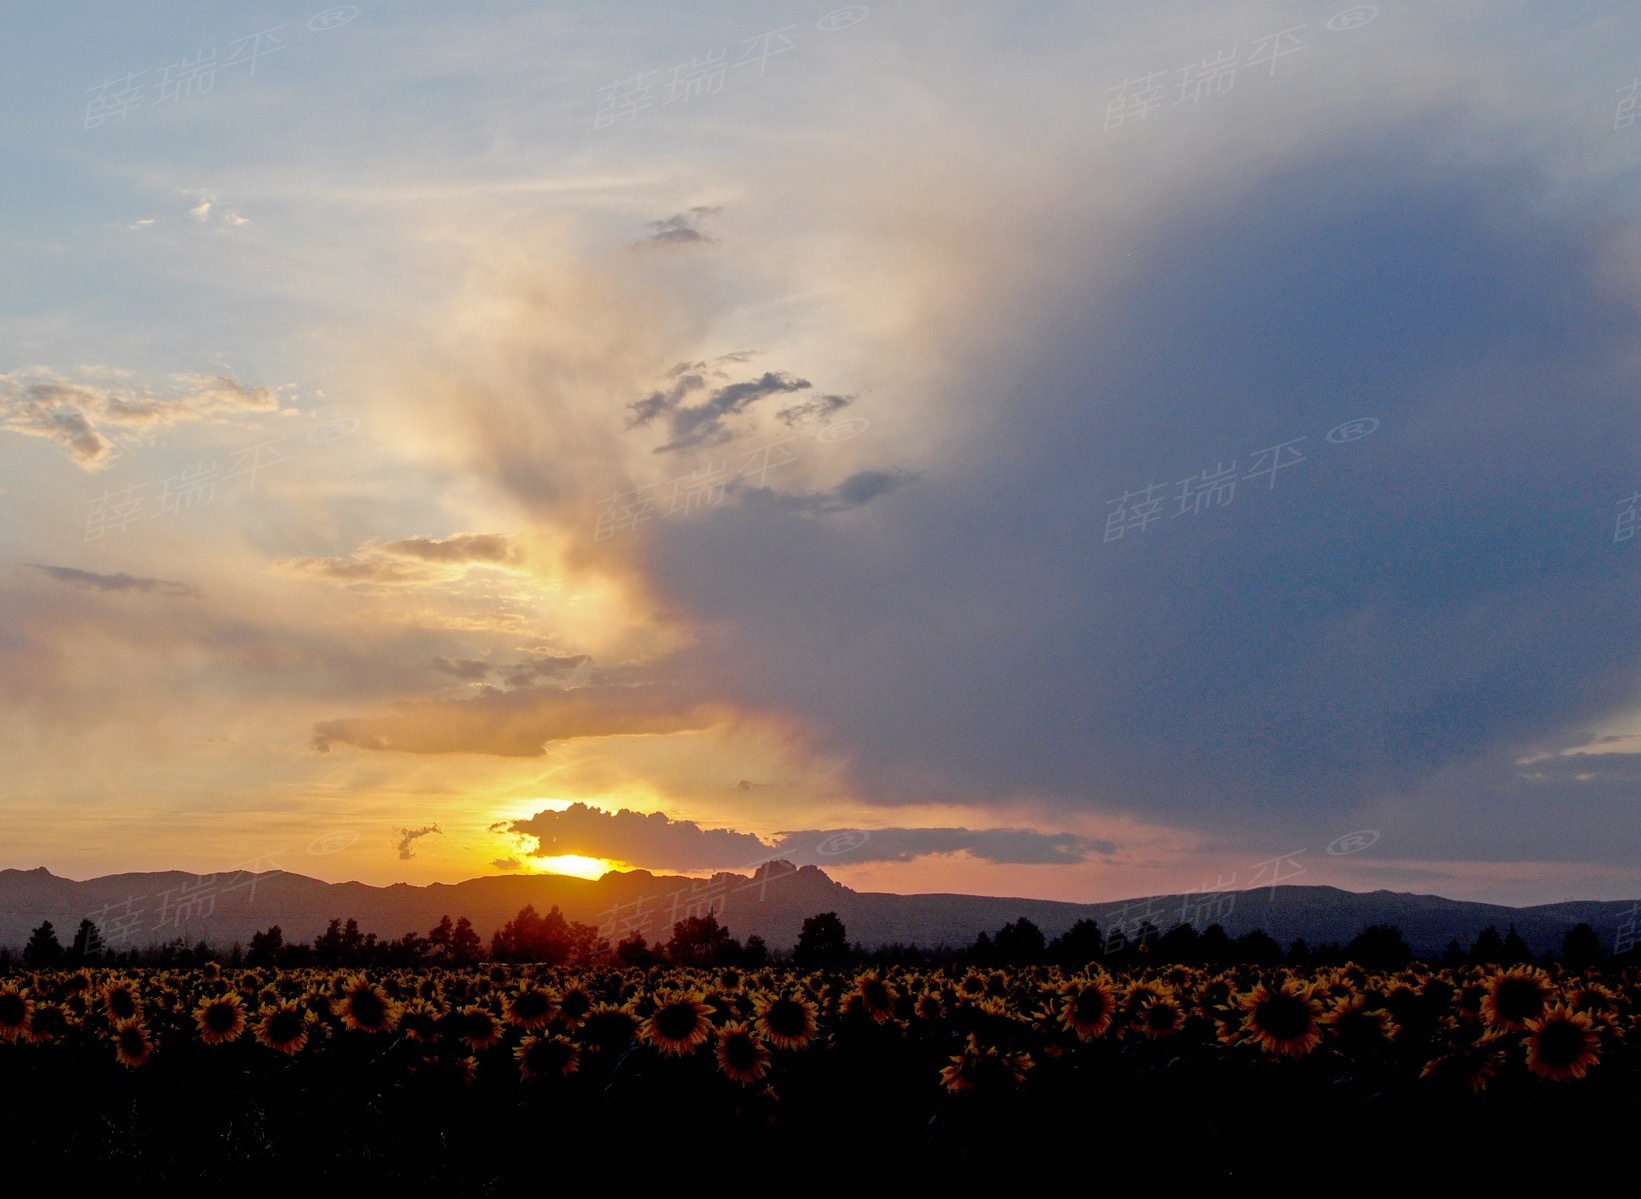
{"x":822,"y":944}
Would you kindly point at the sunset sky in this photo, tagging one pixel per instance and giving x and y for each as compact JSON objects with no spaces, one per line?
{"x":1066,"y":450}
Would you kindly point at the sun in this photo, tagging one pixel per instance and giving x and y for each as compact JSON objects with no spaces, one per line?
{"x":574,"y":864}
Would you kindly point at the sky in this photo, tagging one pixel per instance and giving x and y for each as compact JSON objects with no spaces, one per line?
{"x":1075,"y":451}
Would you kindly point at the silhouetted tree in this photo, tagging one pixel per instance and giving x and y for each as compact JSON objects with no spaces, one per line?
{"x":1488,"y":947}
{"x":1215,"y":946}
{"x":1079,"y":945}
{"x":822,"y":942}
{"x":532,"y":937}
{"x":88,"y":943}
{"x":755,"y":952}
{"x":702,"y":941}
{"x":1454,"y":955}
{"x":43,"y":948}
{"x":467,"y":947}
{"x":1258,"y":948}
{"x":1380,"y":947}
{"x":1179,"y":944}
{"x":266,"y":948}
{"x":1019,"y":943}
{"x":1581,"y":948}
{"x":633,"y":950}
{"x":1515,"y":950}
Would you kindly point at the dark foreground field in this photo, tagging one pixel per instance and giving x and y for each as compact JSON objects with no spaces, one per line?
{"x":490,"y":1078}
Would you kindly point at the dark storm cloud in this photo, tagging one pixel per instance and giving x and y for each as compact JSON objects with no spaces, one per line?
{"x":90,"y":580}
{"x":1379,"y":615}
{"x":652,"y":840}
{"x":703,"y":423}
{"x":680,"y":229}
{"x":858,"y":489}
{"x":655,"y":841}
{"x":1000,"y":846}
{"x":409,"y":836}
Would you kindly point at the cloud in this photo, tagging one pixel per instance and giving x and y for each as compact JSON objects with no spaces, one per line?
{"x":680,"y":229}
{"x":490,"y":548}
{"x":655,"y":841}
{"x":74,"y":412}
{"x":408,"y":836}
{"x":201,"y":212}
{"x":462,"y":668}
{"x":999,"y":846}
{"x":702,"y":424}
{"x":857,"y":490}
{"x":517,"y":723}
{"x":652,"y":840}
{"x":507,"y":864}
{"x":369,"y":571}
{"x":396,"y":563}
{"x":529,"y":670}
{"x":92,"y":581}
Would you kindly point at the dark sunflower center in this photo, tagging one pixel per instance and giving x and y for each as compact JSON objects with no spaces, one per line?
{"x":1518,"y":998}
{"x":221,"y":1017}
{"x":367,"y":1009}
{"x":875,"y":993}
{"x":122,"y":1004}
{"x":1285,"y":1017}
{"x":1092,"y":1005}
{"x":741,"y":1051}
{"x":1160,"y":1016}
{"x":576,"y":1004}
{"x":531,"y":1005}
{"x":786,"y":1017}
{"x":12,"y":1010}
{"x":284,"y":1027}
{"x":1560,"y":1044}
{"x":132,"y":1041}
{"x":677,"y":1021}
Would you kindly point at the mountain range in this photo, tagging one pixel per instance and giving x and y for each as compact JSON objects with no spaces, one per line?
{"x":139,"y":910}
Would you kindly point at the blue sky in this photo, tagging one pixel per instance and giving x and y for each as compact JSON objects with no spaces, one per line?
{"x":1095,"y":453}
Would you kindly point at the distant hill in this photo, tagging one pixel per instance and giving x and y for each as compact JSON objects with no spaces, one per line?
{"x":137,"y":910}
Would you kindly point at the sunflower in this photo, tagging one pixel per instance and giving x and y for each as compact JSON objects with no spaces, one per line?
{"x":972,"y":985}
{"x":220,"y":1019}
{"x":1161,"y":1017}
{"x":531,"y":1007}
{"x":419,"y":1020}
{"x":48,"y":1024}
{"x":16,"y":1013}
{"x":929,"y":1006}
{"x":1356,"y":1026}
{"x":1282,"y":1021}
{"x":741,"y":1053}
{"x":731,"y":980}
{"x":1473,"y":1064}
{"x":366,"y":1008}
{"x":477,"y":1026}
{"x":984,"y":1070}
{"x":609,"y":1028}
{"x":786,"y":1021}
{"x":120,"y":1001}
{"x":1090,"y":1006}
{"x":1516,"y":996}
{"x":1561,"y":1044}
{"x":132,"y":1044}
{"x":574,"y":1002}
{"x":284,"y":1027}
{"x":547,"y":1057}
{"x":679,"y":1022}
{"x":877,"y":997}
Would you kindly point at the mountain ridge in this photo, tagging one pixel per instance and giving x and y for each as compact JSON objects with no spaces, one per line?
{"x":139,"y":909}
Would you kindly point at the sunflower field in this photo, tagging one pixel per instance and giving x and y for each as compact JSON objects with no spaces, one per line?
{"x":489,"y":1075}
